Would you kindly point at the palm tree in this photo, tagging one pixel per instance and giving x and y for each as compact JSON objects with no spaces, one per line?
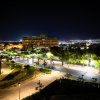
{"x":59,"y":52}
{"x":62,"y":55}
{"x":50,"y":56}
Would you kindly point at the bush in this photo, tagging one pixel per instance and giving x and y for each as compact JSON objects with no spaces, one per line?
{"x":27,"y":67}
{"x":31,"y":70}
{"x":46,"y":71}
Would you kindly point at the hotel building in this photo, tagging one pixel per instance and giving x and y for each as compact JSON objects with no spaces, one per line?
{"x":41,"y":41}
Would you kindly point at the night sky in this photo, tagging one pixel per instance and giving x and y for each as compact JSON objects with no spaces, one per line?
{"x":65,"y":20}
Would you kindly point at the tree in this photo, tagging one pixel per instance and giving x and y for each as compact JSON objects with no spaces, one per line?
{"x":27,"y":67}
{"x":62,"y":54}
{"x":30,"y":48}
{"x":8,"y":58}
{"x":59,"y":52}
{"x":1,"y":57}
{"x":0,"y":65}
{"x":50,"y":56}
{"x":39,"y":57}
{"x":97,"y":64}
{"x":14,"y":65}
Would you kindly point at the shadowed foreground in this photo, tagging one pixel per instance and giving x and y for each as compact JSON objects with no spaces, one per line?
{"x":65,"y":89}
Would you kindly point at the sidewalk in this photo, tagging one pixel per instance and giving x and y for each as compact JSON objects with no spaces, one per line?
{"x":29,"y":87}
{"x":82,"y":68}
{"x":76,"y":67}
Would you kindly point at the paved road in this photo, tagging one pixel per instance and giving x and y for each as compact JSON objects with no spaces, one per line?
{"x":77,"y":73}
{"x":87,"y":76}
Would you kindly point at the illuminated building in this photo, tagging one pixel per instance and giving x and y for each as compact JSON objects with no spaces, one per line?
{"x":14,"y":45}
{"x":41,"y":41}
{"x":1,"y":46}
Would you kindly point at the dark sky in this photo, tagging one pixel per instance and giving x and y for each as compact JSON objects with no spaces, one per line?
{"x":66,"y":20}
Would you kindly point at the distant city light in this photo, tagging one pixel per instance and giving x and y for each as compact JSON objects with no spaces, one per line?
{"x":62,"y":42}
{"x":20,"y":40}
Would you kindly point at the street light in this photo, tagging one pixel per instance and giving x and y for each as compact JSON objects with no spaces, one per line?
{"x":19,"y":90}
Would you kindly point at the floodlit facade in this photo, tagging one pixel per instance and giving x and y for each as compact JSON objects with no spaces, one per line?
{"x":10,"y":45}
{"x":1,"y":47}
{"x":41,"y":41}
{"x":14,"y":45}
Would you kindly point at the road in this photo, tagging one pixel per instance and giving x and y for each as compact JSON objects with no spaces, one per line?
{"x":74,"y":70}
{"x":87,"y":75}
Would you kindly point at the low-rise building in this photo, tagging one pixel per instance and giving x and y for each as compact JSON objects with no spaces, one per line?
{"x":14,"y":45}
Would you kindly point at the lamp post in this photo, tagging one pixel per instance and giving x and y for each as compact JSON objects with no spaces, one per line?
{"x":19,"y":90}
